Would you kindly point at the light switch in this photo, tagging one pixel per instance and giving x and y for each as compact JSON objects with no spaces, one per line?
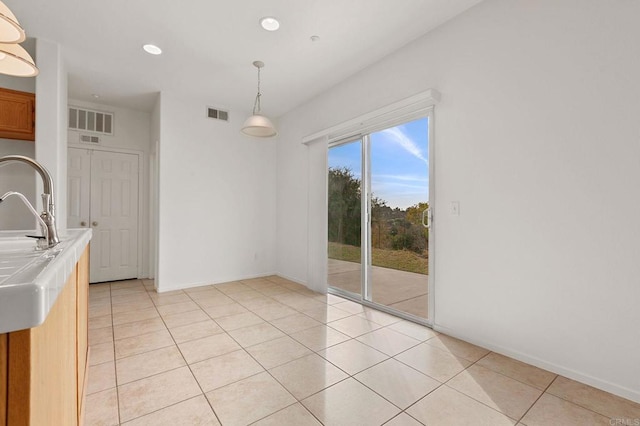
{"x":455,"y":208}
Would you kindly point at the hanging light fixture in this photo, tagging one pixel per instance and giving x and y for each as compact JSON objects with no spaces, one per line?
{"x":16,"y":61}
{"x":258,"y":125}
{"x":10,"y":29}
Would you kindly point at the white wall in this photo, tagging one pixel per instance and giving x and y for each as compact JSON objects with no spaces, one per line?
{"x":131,"y":133}
{"x":17,"y":177}
{"x":537,"y":138}
{"x":216,"y":198}
{"x":51,"y":124}
{"x":14,"y":176}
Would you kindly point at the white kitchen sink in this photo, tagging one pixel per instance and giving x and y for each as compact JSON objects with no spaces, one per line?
{"x":30,"y":279}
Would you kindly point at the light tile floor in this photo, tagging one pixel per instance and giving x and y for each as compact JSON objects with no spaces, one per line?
{"x":270,"y":352}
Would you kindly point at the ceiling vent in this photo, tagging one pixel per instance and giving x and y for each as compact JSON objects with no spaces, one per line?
{"x":90,"y":139}
{"x":90,"y":120}
{"x":217,"y":114}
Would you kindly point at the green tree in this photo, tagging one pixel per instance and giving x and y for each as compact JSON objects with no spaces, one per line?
{"x":344,"y":206}
{"x":391,"y":228}
{"x":414,"y":216}
{"x":380,"y":215}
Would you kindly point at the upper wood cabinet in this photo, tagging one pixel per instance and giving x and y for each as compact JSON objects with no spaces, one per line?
{"x":17,"y":115}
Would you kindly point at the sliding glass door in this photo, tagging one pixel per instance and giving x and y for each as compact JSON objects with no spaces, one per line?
{"x":379,"y":218}
{"x":399,"y":198}
{"x":345,"y":217}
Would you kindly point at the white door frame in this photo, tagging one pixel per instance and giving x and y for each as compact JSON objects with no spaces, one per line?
{"x":318,"y":144}
{"x":366,"y":288}
{"x":142,"y":208}
{"x":432,"y":203}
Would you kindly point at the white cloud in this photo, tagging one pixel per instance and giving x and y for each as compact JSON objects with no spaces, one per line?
{"x":403,"y":178}
{"x":405,"y":142}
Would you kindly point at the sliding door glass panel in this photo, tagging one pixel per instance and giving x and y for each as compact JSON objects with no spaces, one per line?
{"x":345,"y":224}
{"x":399,"y":168}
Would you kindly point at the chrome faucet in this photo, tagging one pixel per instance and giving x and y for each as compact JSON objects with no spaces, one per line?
{"x":43,"y":242}
{"x":47,"y":216}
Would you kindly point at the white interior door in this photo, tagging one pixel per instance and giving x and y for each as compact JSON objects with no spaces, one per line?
{"x":78,"y":187}
{"x":103,"y":194}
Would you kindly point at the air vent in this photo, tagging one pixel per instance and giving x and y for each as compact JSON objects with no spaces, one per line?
{"x":91,"y":120}
{"x":217,"y":114}
{"x":89,"y":139}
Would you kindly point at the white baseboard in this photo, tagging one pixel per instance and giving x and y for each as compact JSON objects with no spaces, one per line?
{"x":622,"y":391}
{"x":295,"y":280}
{"x":182,"y":286}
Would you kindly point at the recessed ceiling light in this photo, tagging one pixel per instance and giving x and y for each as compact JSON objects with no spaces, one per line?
{"x":269,"y":23}
{"x":152,"y":49}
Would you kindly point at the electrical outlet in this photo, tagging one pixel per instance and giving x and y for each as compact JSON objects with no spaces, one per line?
{"x":455,"y":208}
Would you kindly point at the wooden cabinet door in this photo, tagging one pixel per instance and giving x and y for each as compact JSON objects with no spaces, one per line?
{"x":17,"y":115}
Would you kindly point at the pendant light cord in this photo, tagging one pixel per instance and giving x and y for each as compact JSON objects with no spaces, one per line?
{"x":256,"y":105}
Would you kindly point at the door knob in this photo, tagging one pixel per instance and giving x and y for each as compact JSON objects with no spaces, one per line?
{"x":94,"y":223}
{"x":83,"y":223}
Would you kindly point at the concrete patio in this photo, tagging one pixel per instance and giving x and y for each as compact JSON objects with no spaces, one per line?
{"x":404,"y":291}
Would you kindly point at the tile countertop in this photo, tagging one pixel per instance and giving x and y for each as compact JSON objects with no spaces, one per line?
{"x":30,"y":280}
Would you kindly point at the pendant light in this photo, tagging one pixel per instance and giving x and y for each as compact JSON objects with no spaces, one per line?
{"x":14,"y":60}
{"x":258,"y":125}
{"x":10,"y":29}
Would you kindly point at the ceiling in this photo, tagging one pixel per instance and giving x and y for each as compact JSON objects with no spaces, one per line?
{"x":209,"y":45}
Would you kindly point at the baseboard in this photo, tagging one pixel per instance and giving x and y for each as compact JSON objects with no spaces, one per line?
{"x":295,"y":280}
{"x":622,"y":391}
{"x":183,"y":286}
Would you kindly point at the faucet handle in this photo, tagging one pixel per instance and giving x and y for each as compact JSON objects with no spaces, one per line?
{"x":41,"y":243}
{"x":38,"y":237}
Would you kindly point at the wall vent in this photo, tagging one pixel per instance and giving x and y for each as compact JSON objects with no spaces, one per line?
{"x":89,"y":139}
{"x":90,"y":120}
{"x":217,"y":114}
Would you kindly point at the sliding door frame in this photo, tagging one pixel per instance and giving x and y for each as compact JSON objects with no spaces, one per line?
{"x":365,"y":297}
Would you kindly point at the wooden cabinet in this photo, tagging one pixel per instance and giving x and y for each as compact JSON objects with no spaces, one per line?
{"x":43,"y":369}
{"x":17,"y":115}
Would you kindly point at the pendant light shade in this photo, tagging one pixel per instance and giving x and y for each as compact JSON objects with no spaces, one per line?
{"x":258,"y":125}
{"x":10,"y":29}
{"x":16,"y":61}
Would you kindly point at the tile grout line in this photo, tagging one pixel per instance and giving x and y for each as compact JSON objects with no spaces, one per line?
{"x":172,"y":369}
{"x":297,"y":401}
{"x":114,"y":357}
{"x":537,"y":399}
{"x":471,"y":397}
{"x":569,"y":401}
{"x":289,"y":335}
{"x":186,"y":364}
{"x":213,"y":410}
{"x":115,"y":362}
{"x":348,"y":375}
{"x":177,"y":347}
{"x":320,"y":323}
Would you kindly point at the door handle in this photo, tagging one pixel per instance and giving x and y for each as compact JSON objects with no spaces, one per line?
{"x":83,"y":223}
{"x":94,"y":223}
{"x":426,"y":214}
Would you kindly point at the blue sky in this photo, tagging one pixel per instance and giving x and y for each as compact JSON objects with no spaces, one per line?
{"x":399,"y":163}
